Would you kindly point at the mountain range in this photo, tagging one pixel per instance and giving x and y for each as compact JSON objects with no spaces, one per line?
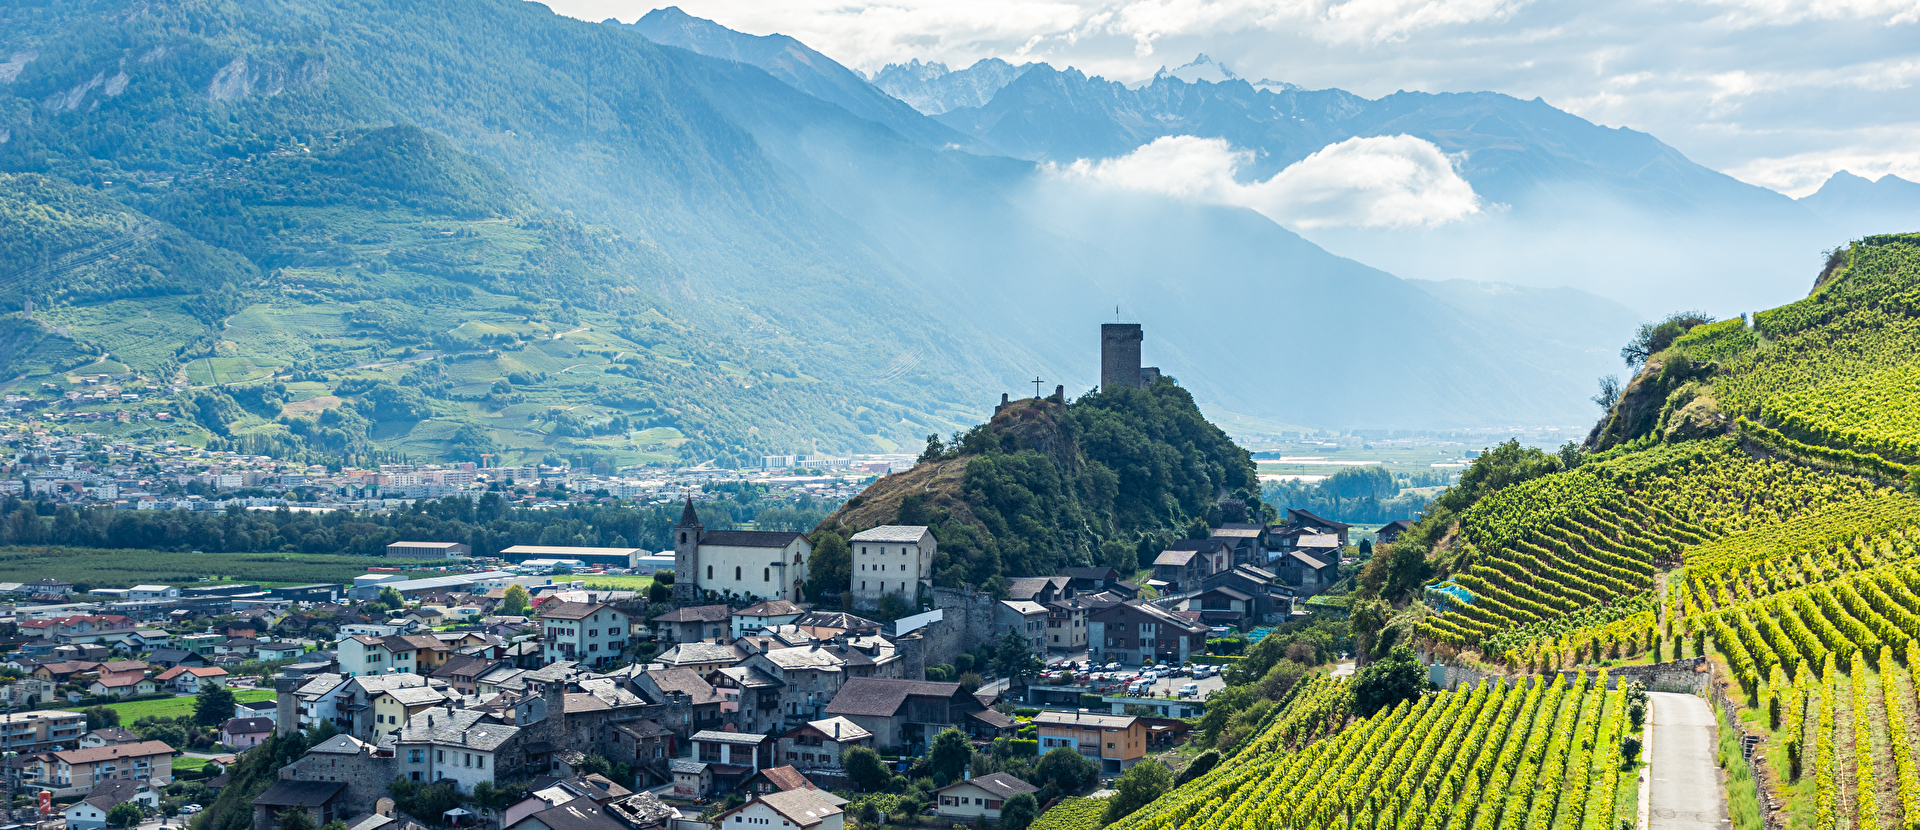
{"x":478,"y":226}
{"x":1563,"y":201}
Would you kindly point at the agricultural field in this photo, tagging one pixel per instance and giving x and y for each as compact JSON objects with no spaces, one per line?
{"x":1072,"y":814}
{"x":618,"y":582}
{"x":1528,"y":754}
{"x":174,"y":707}
{"x":120,"y":568}
{"x":1567,"y":544}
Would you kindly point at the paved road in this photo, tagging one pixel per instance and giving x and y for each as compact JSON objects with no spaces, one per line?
{"x":1685,"y":791}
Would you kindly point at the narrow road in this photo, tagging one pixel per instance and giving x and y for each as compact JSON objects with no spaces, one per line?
{"x":1685,"y":790}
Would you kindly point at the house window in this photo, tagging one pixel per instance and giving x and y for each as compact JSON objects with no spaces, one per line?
{"x":766,"y":574}
{"x":736,"y":573}
{"x":709,"y":571}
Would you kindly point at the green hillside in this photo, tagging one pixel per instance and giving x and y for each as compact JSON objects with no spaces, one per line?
{"x":1107,"y":479}
{"x":569,"y":254}
{"x":1746,"y":500}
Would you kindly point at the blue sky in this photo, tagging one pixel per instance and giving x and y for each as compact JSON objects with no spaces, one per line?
{"x":1779,"y":93}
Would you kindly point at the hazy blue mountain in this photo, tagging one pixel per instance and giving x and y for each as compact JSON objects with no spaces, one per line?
{"x":794,"y":63}
{"x":1225,"y":294}
{"x":1565,"y":201}
{"x":1888,"y":205}
{"x":932,"y":89}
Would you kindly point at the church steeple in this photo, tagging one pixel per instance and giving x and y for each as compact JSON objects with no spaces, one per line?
{"x":686,"y":555}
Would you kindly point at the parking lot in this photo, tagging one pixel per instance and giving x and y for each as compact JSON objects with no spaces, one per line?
{"x":1101,"y":678}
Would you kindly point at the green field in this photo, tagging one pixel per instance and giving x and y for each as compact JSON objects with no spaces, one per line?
{"x":174,"y":707}
{"x":619,"y":583}
{"x":188,"y":763}
{"x":120,"y":568}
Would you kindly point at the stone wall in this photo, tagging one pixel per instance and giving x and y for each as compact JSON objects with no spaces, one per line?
{"x":366,"y":775}
{"x":1688,"y":676}
{"x":966,"y":623}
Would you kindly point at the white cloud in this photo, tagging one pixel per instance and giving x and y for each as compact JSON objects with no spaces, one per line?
{"x":1802,"y":173}
{"x":1382,"y":181}
{"x":1790,"y":12}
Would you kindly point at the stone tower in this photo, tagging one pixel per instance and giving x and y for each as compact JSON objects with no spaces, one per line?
{"x":1119,"y":355}
{"x":686,"y":556}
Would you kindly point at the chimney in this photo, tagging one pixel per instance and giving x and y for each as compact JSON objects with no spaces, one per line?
{"x":836,"y":730}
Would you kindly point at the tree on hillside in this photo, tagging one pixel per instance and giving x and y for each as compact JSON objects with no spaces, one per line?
{"x":391,"y":599}
{"x":831,"y":569}
{"x":1609,"y":392}
{"x":128,"y":814}
{"x":1386,"y":682}
{"x":951,"y":754}
{"x":101,"y":717}
{"x":1652,"y":338}
{"x":1063,"y":771}
{"x":515,"y":603}
{"x":213,"y":705}
{"x":1013,"y":657}
{"x":1142,"y":783}
{"x":864,"y":766}
{"x":1019,"y":812}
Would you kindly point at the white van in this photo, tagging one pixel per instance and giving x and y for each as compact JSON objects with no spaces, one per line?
{"x":1189,"y":690}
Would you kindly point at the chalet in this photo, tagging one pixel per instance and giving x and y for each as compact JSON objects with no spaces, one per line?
{"x":819,"y":744}
{"x":122,"y":684}
{"x":979,"y":798}
{"x":1040,"y":589}
{"x":1390,"y":532}
{"x":1090,"y":580}
{"x":806,"y":809}
{"x":902,"y":713}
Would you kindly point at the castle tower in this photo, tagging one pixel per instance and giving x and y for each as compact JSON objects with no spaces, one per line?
{"x":686,"y":556}
{"x":1119,"y":355}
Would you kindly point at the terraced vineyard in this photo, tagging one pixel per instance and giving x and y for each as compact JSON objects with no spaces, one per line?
{"x":1527,"y":754}
{"x":1837,"y":368}
{"x":1547,"y":551}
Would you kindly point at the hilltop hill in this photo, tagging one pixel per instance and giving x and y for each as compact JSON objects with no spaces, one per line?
{"x":1106,"y":479}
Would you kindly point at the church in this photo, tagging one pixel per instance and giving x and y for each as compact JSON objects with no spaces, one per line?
{"x":748,"y":565}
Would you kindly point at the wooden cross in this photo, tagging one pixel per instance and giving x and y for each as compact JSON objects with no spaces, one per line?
{"x":1036,"y":387}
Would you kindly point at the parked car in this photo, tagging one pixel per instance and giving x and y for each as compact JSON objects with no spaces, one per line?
{"x":1189,"y":690}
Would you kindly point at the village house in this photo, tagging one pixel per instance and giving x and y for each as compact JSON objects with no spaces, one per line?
{"x":1116,"y":741}
{"x":593,"y":634}
{"x":819,"y":744}
{"x":892,"y":560}
{"x":691,"y":625}
{"x":979,"y":798}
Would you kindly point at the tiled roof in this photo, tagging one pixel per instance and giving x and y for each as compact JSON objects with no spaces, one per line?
{"x":698,"y":613}
{"x":1001,"y":784}
{"x":748,"y":538}
{"x":881,"y":697}
{"x":896,"y":534}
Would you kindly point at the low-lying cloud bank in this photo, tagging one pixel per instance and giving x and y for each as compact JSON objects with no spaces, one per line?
{"x":1396,"y":181}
